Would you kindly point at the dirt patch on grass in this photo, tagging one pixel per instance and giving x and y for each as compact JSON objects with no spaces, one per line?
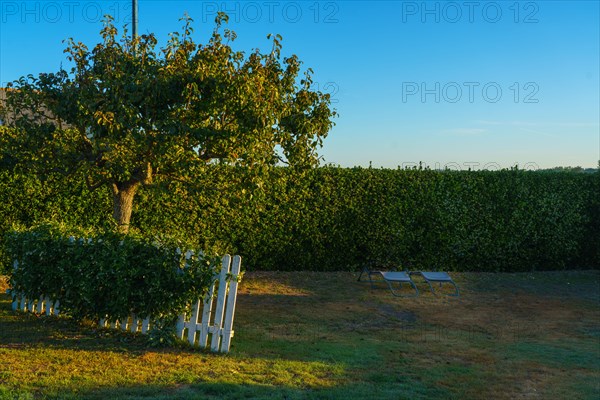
{"x":390,"y":311}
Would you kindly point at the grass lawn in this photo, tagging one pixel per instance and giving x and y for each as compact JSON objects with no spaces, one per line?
{"x":311,"y":335}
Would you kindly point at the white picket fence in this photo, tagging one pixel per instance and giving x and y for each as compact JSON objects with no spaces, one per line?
{"x":43,"y":305}
{"x":207,"y":319}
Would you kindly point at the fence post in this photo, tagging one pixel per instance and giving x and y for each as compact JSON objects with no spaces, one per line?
{"x":15,"y":303}
{"x":193,"y":324}
{"x":218,"y":322}
{"x":40,"y":305}
{"x":206,"y":313}
{"x":231,"y":300}
{"x":180,"y":327}
{"x":145,"y":324}
{"x":48,"y":305}
{"x":134,"y":323}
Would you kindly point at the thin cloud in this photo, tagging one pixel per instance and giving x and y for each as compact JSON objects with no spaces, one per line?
{"x":525,"y":124}
{"x":464,"y":131}
{"x":537,"y":132}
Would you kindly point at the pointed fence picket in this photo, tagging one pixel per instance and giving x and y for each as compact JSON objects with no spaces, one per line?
{"x":206,"y":318}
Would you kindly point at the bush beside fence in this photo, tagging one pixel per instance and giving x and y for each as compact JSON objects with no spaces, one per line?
{"x":207,"y":322}
{"x":125,"y":281}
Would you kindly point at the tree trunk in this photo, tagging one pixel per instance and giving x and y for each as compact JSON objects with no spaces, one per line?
{"x":123,"y":194}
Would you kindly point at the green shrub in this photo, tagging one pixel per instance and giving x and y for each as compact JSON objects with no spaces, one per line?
{"x":339,"y":218}
{"x":107,"y":274}
{"x":510,"y":220}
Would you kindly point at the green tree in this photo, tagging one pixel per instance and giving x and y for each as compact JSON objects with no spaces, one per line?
{"x":126,"y":113}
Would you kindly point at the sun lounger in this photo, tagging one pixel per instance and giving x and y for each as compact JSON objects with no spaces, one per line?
{"x":400,"y":277}
{"x":438,"y":277}
{"x":392,"y":277}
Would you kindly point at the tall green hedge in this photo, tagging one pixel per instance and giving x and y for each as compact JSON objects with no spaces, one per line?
{"x":486,"y":221}
{"x":339,"y":218}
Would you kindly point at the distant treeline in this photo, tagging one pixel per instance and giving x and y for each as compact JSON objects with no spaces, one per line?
{"x":341,"y":218}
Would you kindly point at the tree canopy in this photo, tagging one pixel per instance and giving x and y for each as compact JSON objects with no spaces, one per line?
{"x":127,"y":112}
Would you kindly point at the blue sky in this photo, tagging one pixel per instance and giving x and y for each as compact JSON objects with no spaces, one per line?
{"x":457,"y":84}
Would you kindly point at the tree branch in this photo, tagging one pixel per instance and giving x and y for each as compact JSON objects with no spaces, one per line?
{"x":93,"y":186}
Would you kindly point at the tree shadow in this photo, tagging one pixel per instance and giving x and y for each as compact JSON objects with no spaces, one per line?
{"x":288,"y":337}
{"x":573,"y":285}
{"x":397,"y":389}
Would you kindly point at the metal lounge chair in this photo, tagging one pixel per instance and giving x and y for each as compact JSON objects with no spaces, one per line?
{"x":438,"y":277}
{"x":391,"y":277}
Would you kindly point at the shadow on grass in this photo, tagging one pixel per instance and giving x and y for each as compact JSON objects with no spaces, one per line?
{"x":582,"y":285}
{"x":282,"y":339}
{"x":399,"y":388}
{"x":19,"y":329}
